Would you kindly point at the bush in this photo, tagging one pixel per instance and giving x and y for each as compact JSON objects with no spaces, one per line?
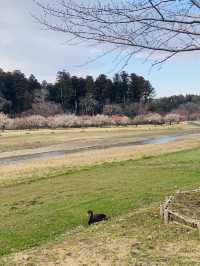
{"x":150,"y":118}
{"x":173,"y":118}
{"x":4,"y":121}
{"x":120,"y":120}
{"x":62,"y":121}
{"x":154,"y":118}
{"x":195,"y":116}
{"x":69,"y":120}
{"x":29,"y":122}
{"x":187,"y":110}
{"x":102,"y":120}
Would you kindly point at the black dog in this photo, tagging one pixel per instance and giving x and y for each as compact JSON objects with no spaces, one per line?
{"x":95,"y":218}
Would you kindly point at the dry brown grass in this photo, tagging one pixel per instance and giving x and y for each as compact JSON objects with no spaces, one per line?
{"x":187,"y":204}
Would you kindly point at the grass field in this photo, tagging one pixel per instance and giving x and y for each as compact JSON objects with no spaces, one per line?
{"x":44,"y":207}
{"x":20,"y":140}
{"x":37,"y":211}
{"x":14,"y":143}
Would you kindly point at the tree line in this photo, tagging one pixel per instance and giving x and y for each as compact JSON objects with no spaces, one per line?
{"x":124,"y":94}
{"x":74,"y":94}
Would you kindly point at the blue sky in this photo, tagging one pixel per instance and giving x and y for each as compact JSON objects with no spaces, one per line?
{"x":26,"y":46}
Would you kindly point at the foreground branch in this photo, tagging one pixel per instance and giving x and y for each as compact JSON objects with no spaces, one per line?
{"x":169,"y":27}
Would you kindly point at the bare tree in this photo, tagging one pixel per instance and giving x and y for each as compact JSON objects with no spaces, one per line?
{"x":164,"y":27}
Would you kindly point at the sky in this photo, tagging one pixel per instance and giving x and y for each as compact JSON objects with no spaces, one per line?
{"x":25,"y":45}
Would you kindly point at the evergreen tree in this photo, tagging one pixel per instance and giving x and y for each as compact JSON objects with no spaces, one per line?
{"x":103,"y":86}
{"x":89,"y":85}
{"x":21,"y":96}
{"x":64,"y":90}
{"x":78,"y":87}
{"x":134,"y":89}
{"x":117,"y":89}
{"x":124,"y":86}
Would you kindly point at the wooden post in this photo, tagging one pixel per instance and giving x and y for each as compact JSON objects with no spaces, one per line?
{"x":161,"y":211}
{"x":166,"y":216}
{"x":198,"y":226}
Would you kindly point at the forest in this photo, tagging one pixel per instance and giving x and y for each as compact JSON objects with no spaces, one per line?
{"x":124,"y":94}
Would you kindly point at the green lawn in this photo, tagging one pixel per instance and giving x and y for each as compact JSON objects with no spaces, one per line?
{"x":40,"y":210}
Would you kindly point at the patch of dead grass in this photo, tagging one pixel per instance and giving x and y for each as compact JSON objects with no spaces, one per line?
{"x":187,"y":204}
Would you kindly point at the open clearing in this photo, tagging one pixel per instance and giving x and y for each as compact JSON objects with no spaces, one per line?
{"x":19,"y":144}
{"x":48,"y":208}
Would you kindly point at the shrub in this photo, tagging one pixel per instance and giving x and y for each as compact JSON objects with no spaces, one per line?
{"x":195,"y":116}
{"x":62,"y":121}
{"x":154,"y":118}
{"x":120,"y":120}
{"x":187,"y":110}
{"x":102,"y":120}
{"x":4,"y":121}
{"x":173,"y":118}
{"x":35,"y":121}
{"x":150,"y":118}
{"x":69,"y":120}
{"x":29,"y":122}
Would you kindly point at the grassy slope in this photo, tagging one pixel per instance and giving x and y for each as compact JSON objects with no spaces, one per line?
{"x":137,"y":238}
{"x":37,"y":211}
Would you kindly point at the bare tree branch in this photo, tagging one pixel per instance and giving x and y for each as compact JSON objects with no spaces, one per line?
{"x":157,"y":9}
{"x":167,"y":27}
{"x":196,"y":3}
